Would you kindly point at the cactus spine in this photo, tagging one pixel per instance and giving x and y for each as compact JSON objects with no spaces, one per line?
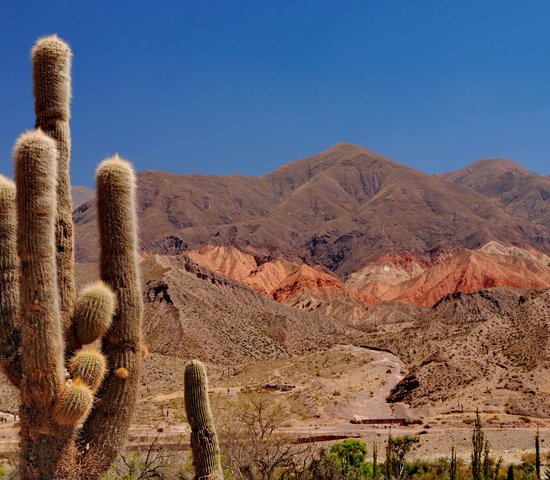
{"x":204,"y":440}
{"x":43,"y":327}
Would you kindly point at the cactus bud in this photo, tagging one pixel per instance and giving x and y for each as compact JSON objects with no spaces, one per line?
{"x":74,"y":404}
{"x":89,"y":365}
{"x":94,"y":311}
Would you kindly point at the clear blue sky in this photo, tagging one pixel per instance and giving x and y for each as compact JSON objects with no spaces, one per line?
{"x":245,"y":86}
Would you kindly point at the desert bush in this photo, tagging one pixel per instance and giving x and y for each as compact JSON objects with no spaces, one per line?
{"x":350,"y":457}
{"x":150,"y":464}
{"x":251,"y":445}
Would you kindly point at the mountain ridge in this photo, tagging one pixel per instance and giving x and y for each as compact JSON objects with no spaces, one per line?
{"x":341,"y":208}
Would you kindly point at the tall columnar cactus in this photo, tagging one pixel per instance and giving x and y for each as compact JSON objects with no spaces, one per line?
{"x":52,"y":98}
{"x":76,"y":399}
{"x":204,"y":440}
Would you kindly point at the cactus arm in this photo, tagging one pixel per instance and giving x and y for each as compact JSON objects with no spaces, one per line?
{"x":41,"y":334}
{"x":105,"y":430}
{"x":204,"y":440}
{"x":10,"y":339}
{"x":46,"y":448}
{"x":52,"y":59}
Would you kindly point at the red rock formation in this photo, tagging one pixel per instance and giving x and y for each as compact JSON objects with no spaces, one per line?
{"x":322,"y":285}
{"x":225,"y":260}
{"x":268,"y":276}
{"x":389,"y":269}
{"x":468,"y":271}
{"x":390,"y":278}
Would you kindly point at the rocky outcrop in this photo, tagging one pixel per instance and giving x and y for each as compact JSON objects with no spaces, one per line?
{"x":391,"y":278}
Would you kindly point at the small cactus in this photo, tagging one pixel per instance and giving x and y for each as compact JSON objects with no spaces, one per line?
{"x":204,"y":440}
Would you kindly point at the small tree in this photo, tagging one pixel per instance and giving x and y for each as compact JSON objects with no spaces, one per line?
{"x":487,"y":461}
{"x":396,"y":460}
{"x":375,"y":461}
{"x":389,"y":458}
{"x":510,"y":475}
{"x":253,"y":448}
{"x":151,"y":464}
{"x":497,"y":469}
{"x":350,"y":456}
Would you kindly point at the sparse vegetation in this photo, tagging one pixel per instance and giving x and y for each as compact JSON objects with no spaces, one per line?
{"x":154,"y":463}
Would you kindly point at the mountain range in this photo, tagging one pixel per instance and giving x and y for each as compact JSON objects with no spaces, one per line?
{"x":349,"y":227}
{"x":449,"y":271}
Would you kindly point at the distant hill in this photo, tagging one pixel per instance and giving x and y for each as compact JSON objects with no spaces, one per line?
{"x":519,"y":191}
{"x":451,"y":272}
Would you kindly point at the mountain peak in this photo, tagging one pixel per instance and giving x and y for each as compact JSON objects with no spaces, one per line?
{"x":498,"y":165}
{"x":486,"y":171}
{"x":346,"y":148}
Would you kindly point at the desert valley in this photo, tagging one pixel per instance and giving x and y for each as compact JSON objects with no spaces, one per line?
{"x":354,"y":290}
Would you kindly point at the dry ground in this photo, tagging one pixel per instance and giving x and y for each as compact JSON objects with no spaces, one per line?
{"x":329,"y":388}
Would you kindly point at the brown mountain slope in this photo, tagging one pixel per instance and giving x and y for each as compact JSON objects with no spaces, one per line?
{"x":518,"y":190}
{"x":341,"y":208}
{"x":488,"y":349}
{"x":193,"y":312}
{"x":81,"y":195}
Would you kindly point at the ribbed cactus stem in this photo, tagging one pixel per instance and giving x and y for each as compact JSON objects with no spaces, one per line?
{"x":52,"y":59}
{"x":106,"y":429}
{"x":204,"y":440}
{"x":35,"y":165}
{"x":9,"y":288}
